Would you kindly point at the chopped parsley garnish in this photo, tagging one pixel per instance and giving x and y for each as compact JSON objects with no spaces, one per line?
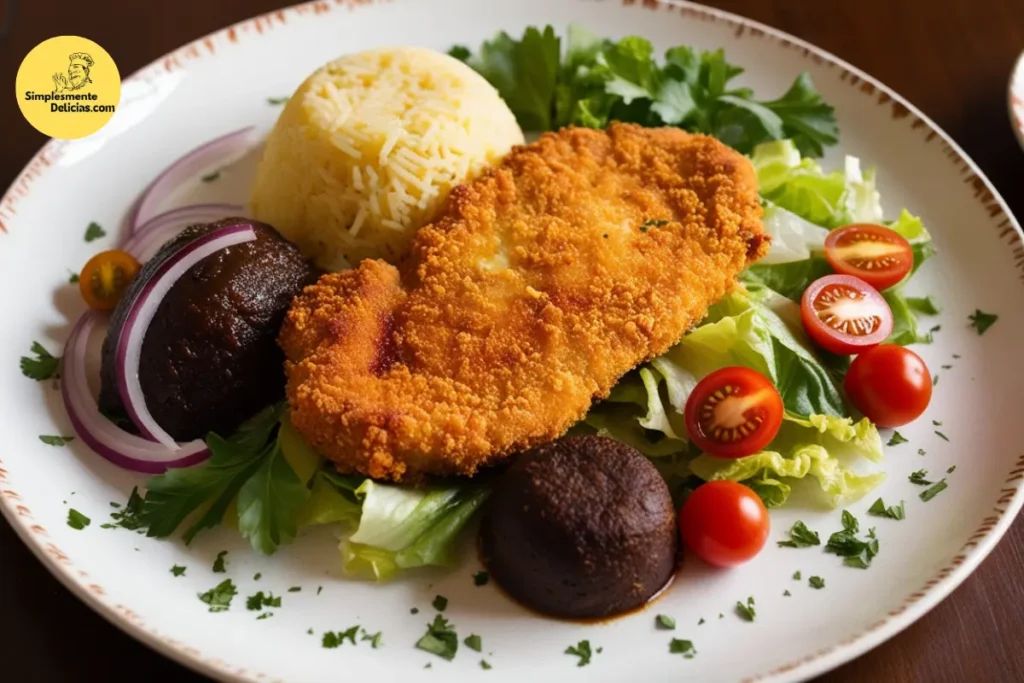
{"x":786,"y":593}
{"x":746,"y":611}
{"x":219,"y":597}
{"x":94,"y":231}
{"x":440,"y":639}
{"x":73,"y":278}
{"x":318,"y":589}
{"x":130,"y":516}
{"x":210,"y":177}
{"x":653,"y":223}
{"x":879,"y":509}
{"x":681,"y":647}
{"x":257,"y":576}
{"x":921,"y":451}
{"x":309,"y":631}
{"x":701,"y":621}
{"x":333,"y":639}
{"x":947,"y":367}
{"x":295,"y":589}
{"x":721,"y":616}
{"x":896,"y":439}
{"x":218,"y":564}
{"x":918,"y":478}
{"x":951,"y":469}
{"x":581,"y":650}
{"x":935,"y":380}
{"x":850,"y":522}
{"x":265,"y":615}
{"x":440,"y":603}
{"x":414,"y":610}
{"x":854,"y":551}
{"x":259,"y":601}
{"x":800,"y":537}
{"x":474,"y":642}
{"x":941,"y":435}
{"x":56,"y":440}
{"x":796,"y":575}
{"x":665,"y":621}
{"x":374,"y":638}
{"x":935,"y":490}
{"x":481,"y":578}
{"x":981,"y":321}
{"x":76,"y":520}
{"x":484,"y":665}
{"x":276,"y":101}
{"x":956,"y":356}
{"x":43,"y":366}
{"x":816,"y":582}
{"x":178,"y":570}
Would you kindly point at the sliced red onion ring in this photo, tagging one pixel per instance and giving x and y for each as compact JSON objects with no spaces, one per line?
{"x":140,"y":315}
{"x":221,"y":150}
{"x":102,"y":435}
{"x":159,"y":230}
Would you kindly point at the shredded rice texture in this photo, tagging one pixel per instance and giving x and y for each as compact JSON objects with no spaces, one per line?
{"x":368,"y":148}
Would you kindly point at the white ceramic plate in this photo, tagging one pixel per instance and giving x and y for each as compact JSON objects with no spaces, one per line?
{"x":220,"y":83}
{"x":1016,"y":99}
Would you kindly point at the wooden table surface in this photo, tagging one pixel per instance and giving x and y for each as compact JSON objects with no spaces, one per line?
{"x":954,"y":63}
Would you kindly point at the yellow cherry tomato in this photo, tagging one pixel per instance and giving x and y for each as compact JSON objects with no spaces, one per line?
{"x":106,"y":277}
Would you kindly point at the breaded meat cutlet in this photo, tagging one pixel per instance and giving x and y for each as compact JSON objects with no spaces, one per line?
{"x":539,"y":285}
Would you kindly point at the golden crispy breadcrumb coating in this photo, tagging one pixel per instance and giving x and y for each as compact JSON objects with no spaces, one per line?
{"x":535,"y":290}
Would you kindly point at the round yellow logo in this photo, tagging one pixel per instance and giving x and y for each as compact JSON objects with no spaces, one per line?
{"x":68,"y":87}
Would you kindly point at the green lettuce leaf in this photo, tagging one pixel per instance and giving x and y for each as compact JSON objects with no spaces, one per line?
{"x":746,"y":331}
{"x":793,"y":238}
{"x":817,"y":447}
{"x":402,"y":528}
{"x":798,"y":184}
{"x":330,"y":502}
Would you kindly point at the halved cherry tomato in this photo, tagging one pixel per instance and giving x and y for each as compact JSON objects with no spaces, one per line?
{"x":724,"y":522}
{"x":843,"y":314}
{"x":733,"y":412}
{"x":105,"y":277}
{"x":874,"y":253}
{"x":891,"y":385}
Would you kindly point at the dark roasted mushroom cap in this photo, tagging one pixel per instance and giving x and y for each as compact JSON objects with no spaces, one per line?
{"x":582,"y":527}
{"x":210,"y":357}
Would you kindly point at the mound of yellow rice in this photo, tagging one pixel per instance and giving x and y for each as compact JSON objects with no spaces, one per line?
{"x":370,"y":145}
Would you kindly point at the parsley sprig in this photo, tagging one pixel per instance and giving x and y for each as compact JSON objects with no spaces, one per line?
{"x":248,"y":465}
{"x":41,"y":365}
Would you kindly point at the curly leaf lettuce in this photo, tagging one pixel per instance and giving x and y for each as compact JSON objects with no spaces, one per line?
{"x":745,"y":331}
{"x":798,"y":184}
{"x":401,"y":528}
{"x":817,"y":447}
